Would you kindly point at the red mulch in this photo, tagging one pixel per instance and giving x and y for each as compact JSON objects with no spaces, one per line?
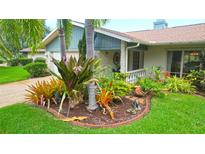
{"x":97,"y":117}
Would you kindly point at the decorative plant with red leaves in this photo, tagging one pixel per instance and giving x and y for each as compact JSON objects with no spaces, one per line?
{"x":105,"y":96}
{"x":43,"y":92}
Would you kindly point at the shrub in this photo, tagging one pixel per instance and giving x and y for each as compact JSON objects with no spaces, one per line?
{"x":24,"y":61}
{"x":13,"y":62}
{"x":149,"y":85}
{"x":37,"y":69}
{"x":42,"y":60}
{"x":156,"y":73}
{"x":20,"y":61}
{"x":43,"y":92}
{"x":175,"y":84}
{"x":197,"y":78}
{"x":1,"y":61}
{"x":119,"y":85}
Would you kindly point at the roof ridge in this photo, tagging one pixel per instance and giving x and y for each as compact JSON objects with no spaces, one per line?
{"x":166,"y":28}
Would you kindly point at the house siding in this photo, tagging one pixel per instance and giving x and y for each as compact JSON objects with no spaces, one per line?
{"x":102,"y":42}
{"x":157,"y":55}
{"x":77,"y":34}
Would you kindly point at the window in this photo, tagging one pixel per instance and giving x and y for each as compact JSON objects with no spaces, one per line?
{"x":180,"y":62}
{"x":193,"y":60}
{"x":174,"y":62}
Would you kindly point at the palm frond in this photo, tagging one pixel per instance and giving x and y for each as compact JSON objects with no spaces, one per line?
{"x":99,"y":22}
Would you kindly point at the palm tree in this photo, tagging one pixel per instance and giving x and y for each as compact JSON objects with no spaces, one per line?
{"x":65,"y":31}
{"x":90,"y":25}
{"x":13,"y":30}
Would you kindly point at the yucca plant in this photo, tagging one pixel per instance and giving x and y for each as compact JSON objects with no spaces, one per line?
{"x":43,"y":93}
{"x":75,"y":73}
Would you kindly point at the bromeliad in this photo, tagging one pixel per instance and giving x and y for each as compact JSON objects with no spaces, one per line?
{"x":106,"y":96}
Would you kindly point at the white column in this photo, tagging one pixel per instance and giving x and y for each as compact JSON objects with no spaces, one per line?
{"x":123,"y":57}
{"x":182,"y":64}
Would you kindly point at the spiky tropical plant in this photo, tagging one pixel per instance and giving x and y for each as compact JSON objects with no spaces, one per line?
{"x":43,"y":93}
{"x":105,"y":96}
{"x":75,"y":73}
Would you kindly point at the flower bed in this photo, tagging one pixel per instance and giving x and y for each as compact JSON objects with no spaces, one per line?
{"x":96,"y":119}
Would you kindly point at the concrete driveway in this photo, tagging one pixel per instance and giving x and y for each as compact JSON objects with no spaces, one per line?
{"x":14,"y":92}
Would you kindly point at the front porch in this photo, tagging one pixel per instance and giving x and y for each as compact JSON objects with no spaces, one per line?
{"x":132,"y":60}
{"x":128,"y":58}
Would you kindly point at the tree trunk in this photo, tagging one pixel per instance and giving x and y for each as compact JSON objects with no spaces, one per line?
{"x":62,"y":44}
{"x":89,"y":31}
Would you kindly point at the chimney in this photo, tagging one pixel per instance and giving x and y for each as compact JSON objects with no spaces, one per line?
{"x":160,"y":24}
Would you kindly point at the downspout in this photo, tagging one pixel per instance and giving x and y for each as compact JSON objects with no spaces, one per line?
{"x":127,"y":48}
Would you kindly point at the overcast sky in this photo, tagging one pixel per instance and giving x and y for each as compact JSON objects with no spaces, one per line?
{"x":125,"y":25}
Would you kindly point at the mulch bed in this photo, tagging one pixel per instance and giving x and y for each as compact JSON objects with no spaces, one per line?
{"x":200,"y":93}
{"x":97,"y":119}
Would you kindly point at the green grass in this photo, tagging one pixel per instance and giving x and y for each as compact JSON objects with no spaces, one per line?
{"x":11,"y":74}
{"x":171,"y":114}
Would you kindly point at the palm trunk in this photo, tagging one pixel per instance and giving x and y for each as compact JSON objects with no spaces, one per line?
{"x":62,"y":44}
{"x":89,"y":30}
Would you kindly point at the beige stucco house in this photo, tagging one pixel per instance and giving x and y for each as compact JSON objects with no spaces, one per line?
{"x":175,"y":49}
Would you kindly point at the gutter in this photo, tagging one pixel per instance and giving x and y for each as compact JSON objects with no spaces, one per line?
{"x":177,"y":43}
{"x":135,"y":46}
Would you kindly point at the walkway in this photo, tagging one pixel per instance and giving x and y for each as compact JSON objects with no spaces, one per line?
{"x":14,"y":92}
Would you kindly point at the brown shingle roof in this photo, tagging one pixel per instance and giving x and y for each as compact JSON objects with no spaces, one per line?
{"x":122,"y":34}
{"x":179,"y":34}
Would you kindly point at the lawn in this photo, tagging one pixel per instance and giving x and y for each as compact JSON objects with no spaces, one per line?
{"x":11,"y":74}
{"x":172,"y":114}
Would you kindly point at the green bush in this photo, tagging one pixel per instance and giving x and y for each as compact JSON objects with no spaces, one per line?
{"x":119,"y":85}
{"x":42,"y":60}
{"x":20,"y":61}
{"x":25,"y":61}
{"x":197,"y":78}
{"x":175,"y":84}
{"x":13,"y":62}
{"x":1,"y":61}
{"x":37,"y":69}
{"x":150,"y":85}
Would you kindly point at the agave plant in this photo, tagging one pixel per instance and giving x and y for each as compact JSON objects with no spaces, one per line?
{"x":75,"y":73}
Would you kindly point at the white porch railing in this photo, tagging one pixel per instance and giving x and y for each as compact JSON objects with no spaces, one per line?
{"x":133,"y":75}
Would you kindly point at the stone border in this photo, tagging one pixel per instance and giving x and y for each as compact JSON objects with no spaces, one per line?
{"x":78,"y":123}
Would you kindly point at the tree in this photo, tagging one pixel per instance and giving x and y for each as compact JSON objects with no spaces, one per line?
{"x":90,"y":25}
{"x":12,"y":31}
{"x":18,"y":33}
{"x":82,"y":46}
{"x":65,"y":31}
